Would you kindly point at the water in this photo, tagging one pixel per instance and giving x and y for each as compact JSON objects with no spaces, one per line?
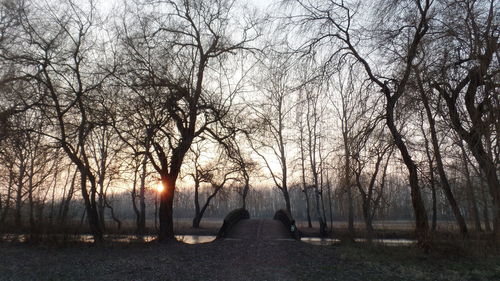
{"x":194,"y":239}
{"x":320,"y":241}
{"x":86,"y":238}
{"x":333,"y":241}
{"x":391,"y":242}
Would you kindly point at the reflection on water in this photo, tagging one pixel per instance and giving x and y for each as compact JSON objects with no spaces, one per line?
{"x":14,"y":237}
{"x":188,"y":239}
{"x":391,"y":242}
{"x":320,"y":241}
{"x":87,"y":238}
{"x":332,"y":241}
{"x":195,"y":239}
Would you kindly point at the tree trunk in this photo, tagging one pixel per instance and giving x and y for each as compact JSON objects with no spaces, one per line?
{"x":52,"y":201}
{"x":305,"y":188}
{"x":484,"y":197}
{"x":368,"y":220}
{"x":165,"y":215}
{"x":347,"y":181}
{"x":496,"y":226}
{"x":367,"y":196}
{"x":284,"y":168}
{"x":197,"y":217}
{"x":156,"y":213}
{"x":308,"y":207}
{"x":66,"y":201}
{"x":323,"y":206}
{"x":303,"y":170}
{"x":91,"y":209}
{"x":322,"y":223}
{"x":141,"y":224}
{"x":133,"y":196}
{"x":471,"y":197}
{"x":101,"y":207}
{"x":6,"y":208}
{"x":434,"y":202}
{"x":113,"y":215}
{"x":473,"y":137}
{"x":421,"y":221}
{"x":197,"y":220}
{"x":19,"y":194}
{"x":350,"y":204}
{"x":432,"y":181}
{"x":486,"y":215}
{"x":489,"y":170}
{"x":330,"y":208}
{"x":244,"y":195}
{"x":31,"y":202}
{"x":439,"y":161}
{"x":141,"y":218}
{"x":286,"y":195}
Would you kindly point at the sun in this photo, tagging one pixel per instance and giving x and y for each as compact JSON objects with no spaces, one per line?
{"x":160,"y":187}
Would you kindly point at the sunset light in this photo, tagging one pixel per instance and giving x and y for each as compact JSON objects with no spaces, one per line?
{"x":250,"y":139}
{"x":160,"y":187}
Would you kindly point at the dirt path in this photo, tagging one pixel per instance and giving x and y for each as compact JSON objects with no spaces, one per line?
{"x":267,"y":249}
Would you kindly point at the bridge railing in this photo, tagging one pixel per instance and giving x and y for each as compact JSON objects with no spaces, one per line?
{"x":286,"y":218}
{"x":231,"y":220}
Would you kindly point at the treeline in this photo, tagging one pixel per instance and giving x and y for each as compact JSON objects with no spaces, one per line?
{"x":50,"y":217}
{"x":355,"y":110}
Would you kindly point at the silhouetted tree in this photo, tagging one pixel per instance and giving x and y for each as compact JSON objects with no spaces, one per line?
{"x":169,"y":56}
{"x":332,"y":23}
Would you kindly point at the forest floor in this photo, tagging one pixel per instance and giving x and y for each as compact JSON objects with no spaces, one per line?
{"x":249,"y":260}
{"x":239,"y":260}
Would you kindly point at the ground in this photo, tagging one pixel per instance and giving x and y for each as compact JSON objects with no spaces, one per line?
{"x":260,"y":256}
{"x":238,"y":260}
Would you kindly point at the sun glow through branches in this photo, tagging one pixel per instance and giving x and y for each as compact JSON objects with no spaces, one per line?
{"x":160,"y":187}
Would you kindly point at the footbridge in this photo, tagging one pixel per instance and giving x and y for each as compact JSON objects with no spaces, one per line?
{"x":239,"y":226}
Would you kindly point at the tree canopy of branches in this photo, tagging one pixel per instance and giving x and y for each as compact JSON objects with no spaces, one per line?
{"x":171,"y":54}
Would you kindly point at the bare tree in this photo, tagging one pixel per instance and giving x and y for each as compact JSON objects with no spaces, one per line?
{"x":332,"y":23}
{"x":104,"y":149}
{"x":466,"y":76}
{"x":69,"y":190}
{"x":471,"y":197}
{"x":8,"y":177}
{"x":174,"y":48}
{"x":431,"y":176}
{"x":437,"y":155}
{"x":351,"y":106}
{"x":303,"y":158}
{"x":140,"y":167}
{"x":57,"y":54}
{"x":245,"y":165}
{"x":217,"y":174}
{"x":314,"y":114}
{"x":368,"y":146}
{"x":274,"y":113}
